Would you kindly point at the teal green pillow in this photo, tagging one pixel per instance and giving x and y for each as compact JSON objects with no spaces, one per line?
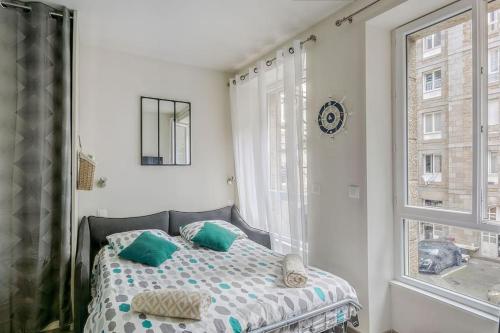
{"x":149,"y":249}
{"x":214,"y":237}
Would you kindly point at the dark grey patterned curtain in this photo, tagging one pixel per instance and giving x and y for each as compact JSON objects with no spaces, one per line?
{"x":35,"y":169}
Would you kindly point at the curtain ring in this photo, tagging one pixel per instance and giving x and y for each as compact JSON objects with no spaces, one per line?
{"x":255,"y":70}
{"x":234,"y":82}
{"x":243,"y":77}
{"x":269,"y":62}
{"x":291,"y":50}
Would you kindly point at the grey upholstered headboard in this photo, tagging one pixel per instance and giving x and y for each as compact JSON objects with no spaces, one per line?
{"x":179,"y":219}
{"x":92,"y":233}
{"x":100,"y":227}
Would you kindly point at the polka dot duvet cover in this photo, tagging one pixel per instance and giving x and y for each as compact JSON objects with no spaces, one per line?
{"x":245,"y":285}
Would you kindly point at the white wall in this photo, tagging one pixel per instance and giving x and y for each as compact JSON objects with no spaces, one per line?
{"x":413,"y":312}
{"x":379,"y":208}
{"x":109,"y":124}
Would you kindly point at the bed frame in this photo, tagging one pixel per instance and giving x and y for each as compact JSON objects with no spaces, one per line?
{"x":92,"y":233}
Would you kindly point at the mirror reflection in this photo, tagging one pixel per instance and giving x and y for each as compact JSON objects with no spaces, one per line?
{"x":165,"y":132}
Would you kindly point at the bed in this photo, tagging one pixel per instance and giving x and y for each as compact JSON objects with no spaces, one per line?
{"x":245,"y":283}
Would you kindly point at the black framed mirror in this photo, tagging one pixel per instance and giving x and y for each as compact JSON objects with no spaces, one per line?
{"x":165,"y":132}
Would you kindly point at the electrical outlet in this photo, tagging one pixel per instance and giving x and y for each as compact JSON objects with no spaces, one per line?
{"x":354,"y":191}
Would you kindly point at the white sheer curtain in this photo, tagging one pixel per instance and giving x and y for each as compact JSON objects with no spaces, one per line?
{"x":269,"y":132}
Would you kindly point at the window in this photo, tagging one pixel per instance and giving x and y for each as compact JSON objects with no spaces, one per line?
{"x":432,"y":45}
{"x":433,"y":203}
{"x":445,"y":198}
{"x":492,"y":167}
{"x":432,"y":125}
{"x":493,"y":64}
{"x":277,"y":122}
{"x":492,"y":213}
{"x":432,"y":84}
{"x":492,"y":21}
{"x":432,"y":163}
{"x":492,"y":162}
{"x":432,"y":168}
{"x":489,"y":245}
{"x":493,"y":112}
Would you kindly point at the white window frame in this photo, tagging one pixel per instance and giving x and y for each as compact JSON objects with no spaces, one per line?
{"x":434,"y":91}
{"x":434,"y":133}
{"x":477,"y":217}
{"x":435,"y":49}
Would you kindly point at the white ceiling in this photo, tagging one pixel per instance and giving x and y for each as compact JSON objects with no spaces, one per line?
{"x":218,"y":34}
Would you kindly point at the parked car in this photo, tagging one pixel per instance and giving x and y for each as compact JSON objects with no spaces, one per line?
{"x":436,"y":255}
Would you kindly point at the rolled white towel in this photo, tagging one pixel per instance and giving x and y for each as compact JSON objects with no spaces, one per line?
{"x":172,"y":303}
{"x":294,"y":272}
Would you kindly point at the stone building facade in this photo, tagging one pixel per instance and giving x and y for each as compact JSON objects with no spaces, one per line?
{"x":439,"y":133}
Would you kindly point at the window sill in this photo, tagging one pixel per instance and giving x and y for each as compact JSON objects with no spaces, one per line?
{"x":432,"y":178}
{"x":431,"y":94}
{"x":432,"y":136}
{"x":426,"y":54}
{"x":444,"y":300}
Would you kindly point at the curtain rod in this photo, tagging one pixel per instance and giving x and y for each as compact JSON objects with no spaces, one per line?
{"x":4,"y":4}
{"x":348,"y":18}
{"x":269,"y":62}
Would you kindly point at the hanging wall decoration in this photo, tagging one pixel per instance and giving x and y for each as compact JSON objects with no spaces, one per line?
{"x":332,"y":117}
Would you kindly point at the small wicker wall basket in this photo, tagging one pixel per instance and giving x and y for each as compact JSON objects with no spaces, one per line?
{"x":86,"y":170}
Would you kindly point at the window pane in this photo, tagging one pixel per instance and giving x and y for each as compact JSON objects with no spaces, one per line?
{"x":428,"y":163}
{"x":465,"y":261}
{"x":493,"y":189}
{"x":428,"y":122}
{"x":437,"y":39}
{"x":437,"y":122}
{"x":445,"y":91}
{"x":428,"y":42}
{"x":437,"y":163}
{"x":493,"y":112}
{"x":437,"y":79}
{"x":493,"y":161}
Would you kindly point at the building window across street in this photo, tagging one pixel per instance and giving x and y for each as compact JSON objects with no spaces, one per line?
{"x":493,"y":112}
{"x":432,"y":84}
{"x":432,"y":45}
{"x":432,"y":125}
{"x":492,"y":213}
{"x":493,"y":21}
{"x":493,"y":167}
{"x":493,"y":64}
{"x":433,"y":203}
{"x":432,"y":168}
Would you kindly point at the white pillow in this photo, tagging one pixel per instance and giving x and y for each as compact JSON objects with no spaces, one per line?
{"x":121,"y":240}
{"x":190,"y":230}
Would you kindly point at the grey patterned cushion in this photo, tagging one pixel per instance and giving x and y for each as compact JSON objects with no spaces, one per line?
{"x":121,"y":240}
{"x":172,"y":303}
{"x":190,"y":230}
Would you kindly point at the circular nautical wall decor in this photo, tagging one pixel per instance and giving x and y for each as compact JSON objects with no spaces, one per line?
{"x":332,"y":117}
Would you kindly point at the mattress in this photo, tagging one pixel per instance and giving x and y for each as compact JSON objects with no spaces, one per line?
{"x":245,"y":284}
